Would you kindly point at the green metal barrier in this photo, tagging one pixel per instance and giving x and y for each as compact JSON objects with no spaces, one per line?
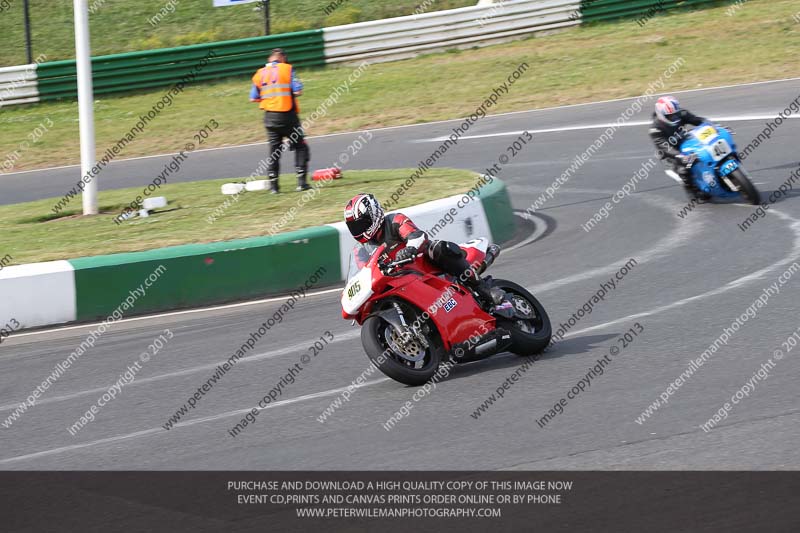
{"x":499,"y":212}
{"x":164,"y":67}
{"x":201,"y":274}
{"x":595,"y":10}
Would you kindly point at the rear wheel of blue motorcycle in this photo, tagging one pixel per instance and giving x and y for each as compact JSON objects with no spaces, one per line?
{"x":529,"y":336}
{"x":376,"y":339}
{"x":748,"y":190}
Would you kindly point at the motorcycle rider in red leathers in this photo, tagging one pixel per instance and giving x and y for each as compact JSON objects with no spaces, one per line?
{"x":367,"y":223}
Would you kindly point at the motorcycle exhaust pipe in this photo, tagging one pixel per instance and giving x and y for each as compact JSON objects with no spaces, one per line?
{"x":486,"y":348}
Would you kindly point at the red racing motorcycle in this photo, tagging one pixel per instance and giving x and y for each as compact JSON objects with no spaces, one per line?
{"x":414,"y":317}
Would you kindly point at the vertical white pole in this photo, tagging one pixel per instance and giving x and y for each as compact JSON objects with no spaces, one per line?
{"x":85,"y":103}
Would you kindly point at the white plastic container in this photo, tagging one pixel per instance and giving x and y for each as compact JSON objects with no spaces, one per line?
{"x":257,"y":185}
{"x":232,"y":188}
{"x":154,"y":203}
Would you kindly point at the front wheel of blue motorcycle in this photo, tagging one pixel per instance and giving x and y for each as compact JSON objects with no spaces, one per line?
{"x":746,"y":187}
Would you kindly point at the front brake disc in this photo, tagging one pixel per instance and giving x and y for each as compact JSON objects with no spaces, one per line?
{"x":410,"y":349}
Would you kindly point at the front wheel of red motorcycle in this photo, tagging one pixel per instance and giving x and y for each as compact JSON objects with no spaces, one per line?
{"x":530,"y":328}
{"x":408,"y":361}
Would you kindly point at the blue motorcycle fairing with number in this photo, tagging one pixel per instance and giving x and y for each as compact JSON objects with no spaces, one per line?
{"x":716,"y":158}
{"x":729,"y":166}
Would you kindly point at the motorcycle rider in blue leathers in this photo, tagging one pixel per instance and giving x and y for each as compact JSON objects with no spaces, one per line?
{"x":668,"y":133}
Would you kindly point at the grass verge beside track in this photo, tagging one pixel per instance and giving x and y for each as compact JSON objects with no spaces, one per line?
{"x":30,"y":235}
{"x":595,"y":62}
{"x":124,"y":25}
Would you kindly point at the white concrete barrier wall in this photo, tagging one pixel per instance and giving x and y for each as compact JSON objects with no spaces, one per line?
{"x":469,"y":222}
{"x":403,"y":37}
{"x":18,"y":85}
{"x":38,"y":294}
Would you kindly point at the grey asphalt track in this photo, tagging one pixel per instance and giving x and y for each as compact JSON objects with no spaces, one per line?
{"x":694,"y":276}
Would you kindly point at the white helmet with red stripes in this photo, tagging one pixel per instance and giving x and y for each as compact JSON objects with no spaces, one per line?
{"x":364,"y":217}
{"x":668,"y":110}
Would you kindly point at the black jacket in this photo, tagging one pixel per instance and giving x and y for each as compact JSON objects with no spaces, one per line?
{"x":668,"y":138}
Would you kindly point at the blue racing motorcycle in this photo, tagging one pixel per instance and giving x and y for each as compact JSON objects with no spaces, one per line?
{"x":717,"y":170}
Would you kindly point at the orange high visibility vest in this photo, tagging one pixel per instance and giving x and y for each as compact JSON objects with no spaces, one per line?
{"x":275,"y":85}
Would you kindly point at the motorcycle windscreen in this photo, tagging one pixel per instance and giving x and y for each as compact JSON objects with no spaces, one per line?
{"x":359,"y":256}
{"x":359,"y":279}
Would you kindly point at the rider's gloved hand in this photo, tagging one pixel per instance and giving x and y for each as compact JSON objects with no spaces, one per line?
{"x":406,"y":253}
{"x":687,"y":160}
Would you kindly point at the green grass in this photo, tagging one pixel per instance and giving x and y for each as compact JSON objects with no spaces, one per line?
{"x":30,"y":234}
{"x":599,"y":61}
{"x":122,"y":25}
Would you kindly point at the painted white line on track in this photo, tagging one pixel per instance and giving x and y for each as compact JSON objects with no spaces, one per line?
{"x":541,"y":228}
{"x":339,"y":337}
{"x":161,"y":430}
{"x":735,"y":284}
{"x":683,"y":232}
{"x":174,"y":313}
{"x":561,"y":190}
{"x":433,"y":123}
{"x":560,"y":129}
{"x":641,"y":154}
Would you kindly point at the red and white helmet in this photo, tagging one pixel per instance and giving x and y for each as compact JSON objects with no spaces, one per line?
{"x":668,"y":110}
{"x":364,"y":217}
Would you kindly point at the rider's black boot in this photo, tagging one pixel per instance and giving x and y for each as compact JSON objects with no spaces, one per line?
{"x":492,"y":298}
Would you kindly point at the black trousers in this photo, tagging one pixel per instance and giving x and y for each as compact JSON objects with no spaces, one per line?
{"x":452,"y":259}
{"x":682,"y":171}
{"x":278,"y":129}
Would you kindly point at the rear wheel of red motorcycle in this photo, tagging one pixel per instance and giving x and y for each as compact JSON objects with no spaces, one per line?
{"x":377,"y":337}
{"x":530,"y":335}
